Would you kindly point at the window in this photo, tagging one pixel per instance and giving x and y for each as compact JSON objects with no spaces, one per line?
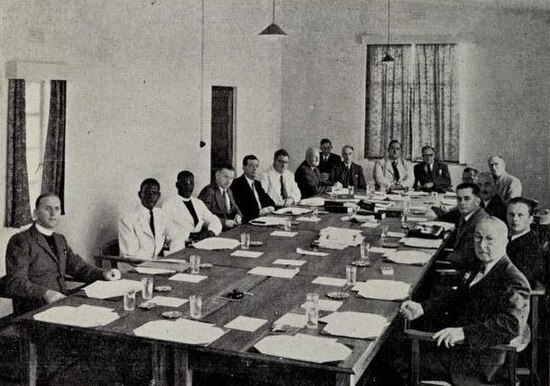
{"x":413,"y":100}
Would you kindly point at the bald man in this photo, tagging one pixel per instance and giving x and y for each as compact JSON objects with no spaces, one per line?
{"x":507,"y":186}
{"x":490,"y":307}
{"x":308,"y":176}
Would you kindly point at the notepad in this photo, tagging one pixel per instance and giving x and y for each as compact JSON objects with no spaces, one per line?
{"x":213,"y":243}
{"x":330,"y":281}
{"x":283,"y":234}
{"x":188,"y":278}
{"x":408,"y":257}
{"x":292,"y":320}
{"x":285,"y":273}
{"x":310,"y":253}
{"x":383,"y":289}
{"x":168,"y":301}
{"x":245,"y":323}
{"x":296,"y":263}
{"x":249,"y":254}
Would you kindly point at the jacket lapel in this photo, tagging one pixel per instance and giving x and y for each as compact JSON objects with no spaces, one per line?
{"x":41,"y":240}
{"x":61,"y":252}
{"x":145,"y":226}
{"x":220,"y":201}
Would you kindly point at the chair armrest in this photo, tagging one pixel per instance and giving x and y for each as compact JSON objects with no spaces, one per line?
{"x":447,"y":272}
{"x":419,"y":335}
{"x":443,"y":262}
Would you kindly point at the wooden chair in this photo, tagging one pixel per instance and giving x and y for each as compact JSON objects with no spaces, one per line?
{"x":108,"y":251}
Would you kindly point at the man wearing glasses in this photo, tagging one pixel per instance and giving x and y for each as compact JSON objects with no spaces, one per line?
{"x":431,"y":175}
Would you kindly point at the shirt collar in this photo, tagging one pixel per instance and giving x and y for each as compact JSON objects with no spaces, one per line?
{"x":513,"y":237}
{"x":469,"y":216}
{"x":487,"y":268}
{"x":44,"y":231}
{"x":486,"y":203}
{"x":185,"y":199}
{"x":250,"y":182}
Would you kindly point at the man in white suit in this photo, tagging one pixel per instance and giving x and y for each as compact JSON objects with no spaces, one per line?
{"x":142,"y":233}
{"x":188,"y":218}
{"x":393,"y":172}
{"x":278,"y":181}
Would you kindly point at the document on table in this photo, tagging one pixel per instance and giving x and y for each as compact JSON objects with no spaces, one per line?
{"x":303,"y":347}
{"x":308,"y":219}
{"x":295,"y":211}
{"x":249,"y":254}
{"x":168,"y":301}
{"x":267,"y":221}
{"x":283,"y":234}
{"x":188,"y":277}
{"x":245,"y":323}
{"x":292,"y":320}
{"x":313,"y":201}
{"x":109,"y":289}
{"x":396,"y":234}
{"x":448,"y":226}
{"x":382,"y":250}
{"x":213,"y":243}
{"x":330,"y":281}
{"x":383,"y":289}
{"x":181,"y":331}
{"x":310,"y":253}
{"x":82,"y":316}
{"x":358,"y":325}
{"x":153,"y":271}
{"x":370,"y":224}
{"x":327,"y":305}
{"x":341,"y":235}
{"x":408,"y":257}
{"x":285,"y":273}
{"x":422,"y":243}
{"x":295,"y":263}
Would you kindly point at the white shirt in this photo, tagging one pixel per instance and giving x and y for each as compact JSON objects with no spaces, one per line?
{"x":271,"y":182}
{"x":44,"y":231}
{"x":135,"y":237}
{"x":513,"y":237}
{"x":226,"y":197}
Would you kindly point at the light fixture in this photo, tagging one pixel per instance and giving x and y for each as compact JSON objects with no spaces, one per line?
{"x":388,"y":59}
{"x":273,"y":29}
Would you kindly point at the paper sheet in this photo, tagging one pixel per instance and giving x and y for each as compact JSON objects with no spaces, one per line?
{"x":110,"y":289}
{"x":181,"y":331}
{"x":153,"y":271}
{"x":354,"y":324}
{"x":422,"y":243}
{"x":168,"y":301}
{"x":383,"y":289}
{"x":292,"y":320}
{"x":285,"y":273}
{"x":245,"y":323}
{"x":303,"y":347}
{"x":81,"y":316}
{"x":327,"y":305}
{"x":188,"y":277}
{"x":295,"y":263}
{"x":408,"y":257}
{"x":313,"y":201}
{"x":308,"y":219}
{"x":396,"y":234}
{"x":266,"y":221}
{"x":213,"y":243}
{"x":330,"y":281}
{"x":293,"y":211}
{"x":310,"y":253}
{"x":249,"y":254}
{"x":283,"y":234}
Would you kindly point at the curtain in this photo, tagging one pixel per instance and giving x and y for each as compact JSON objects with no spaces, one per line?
{"x":53,"y":175}
{"x":18,"y":209}
{"x":413,"y":100}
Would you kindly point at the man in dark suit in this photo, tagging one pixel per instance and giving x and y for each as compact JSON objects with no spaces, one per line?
{"x":492,"y":203}
{"x":327,"y":160}
{"x":347,"y":172}
{"x":431,"y":175}
{"x":523,"y":248}
{"x":218,"y":198}
{"x":490,"y":307}
{"x":37,"y":260}
{"x":249,"y":195}
{"x":308,"y":176}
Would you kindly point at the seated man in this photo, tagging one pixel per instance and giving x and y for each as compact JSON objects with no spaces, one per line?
{"x":490,"y":307}
{"x":523,"y":248}
{"x":279,"y":182}
{"x":393,"y":172}
{"x":250,"y":196}
{"x":492,"y":203}
{"x":347,"y":172}
{"x":469,"y":174}
{"x":142,"y":233}
{"x":327,"y":160}
{"x":219,"y":199}
{"x":507,"y":185}
{"x":308,"y":177}
{"x":187,"y":218}
{"x":37,"y":260}
{"x":431,"y":175}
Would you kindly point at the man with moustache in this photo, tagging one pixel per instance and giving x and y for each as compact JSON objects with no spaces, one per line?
{"x":492,"y":203}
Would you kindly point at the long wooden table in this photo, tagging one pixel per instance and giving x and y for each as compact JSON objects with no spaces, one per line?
{"x":272,"y":298}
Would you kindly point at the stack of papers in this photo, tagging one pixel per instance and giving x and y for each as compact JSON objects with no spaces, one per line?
{"x":304,"y":348}
{"x":448,"y":226}
{"x":293,"y":211}
{"x":283,"y":234}
{"x":422,"y":243}
{"x":310,"y":253}
{"x":153,"y":271}
{"x":354,"y":324}
{"x":267,"y":221}
{"x":213,"y":243}
{"x":285,"y":273}
{"x":188,"y":277}
{"x":408,"y":257}
{"x":110,"y":289}
{"x":313,"y":201}
{"x":181,"y":331}
{"x":383,"y":289}
{"x":81,"y":316}
{"x":295,"y":263}
{"x":334,"y":236}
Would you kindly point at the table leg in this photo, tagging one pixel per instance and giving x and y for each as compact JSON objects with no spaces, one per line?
{"x":29,"y":369}
{"x":160,"y":372}
{"x":183,"y":374}
{"x":345,"y":380}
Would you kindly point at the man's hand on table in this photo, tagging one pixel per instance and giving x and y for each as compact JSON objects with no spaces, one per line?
{"x":266,"y":210}
{"x":51,"y":296}
{"x":112,"y":274}
{"x":411,"y":310}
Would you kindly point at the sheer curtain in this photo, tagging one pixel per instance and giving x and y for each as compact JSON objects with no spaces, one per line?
{"x":413,"y":100}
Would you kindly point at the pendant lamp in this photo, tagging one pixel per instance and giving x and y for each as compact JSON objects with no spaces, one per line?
{"x":273,"y":29}
{"x":388,"y":59}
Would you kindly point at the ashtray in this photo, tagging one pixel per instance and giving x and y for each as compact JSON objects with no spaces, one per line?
{"x":236,"y":294}
{"x":147,"y":305}
{"x":163,"y":288}
{"x":256,"y":243}
{"x":386,"y":269}
{"x":205,"y":265}
{"x":172,"y":314}
{"x":361,"y":263}
{"x":337,"y":295}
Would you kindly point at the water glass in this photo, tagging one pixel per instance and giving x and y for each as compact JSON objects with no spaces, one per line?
{"x":364,"y":250}
{"x":435,"y":198}
{"x":312,"y":310}
{"x":147,"y":288}
{"x":351,"y":190}
{"x":351,"y":275}
{"x":195,"y":306}
{"x":245,"y":240}
{"x":129,"y":300}
{"x":288,"y":224}
{"x":404,"y":221}
{"x":369,"y":189}
{"x":383,"y":234}
{"x":195,"y":261}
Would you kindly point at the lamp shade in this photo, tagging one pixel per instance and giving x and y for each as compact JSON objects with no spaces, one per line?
{"x":388,"y":59}
{"x":273,"y":29}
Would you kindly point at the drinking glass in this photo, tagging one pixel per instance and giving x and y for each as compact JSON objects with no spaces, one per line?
{"x":195,"y":261}
{"x":129,"y":300}
{"x":312,"y":310}
{"x":147,"y":290}
{"x":245,"y":240}
{"x":195,"y":306}
{"x":351,"y":275}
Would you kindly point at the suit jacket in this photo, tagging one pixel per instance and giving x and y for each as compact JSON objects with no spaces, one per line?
{"x":527,"y":254}
{"x":212,"y":197}
{"x":439,"y":175}
{"x":327,"y":166}
{"x":32,"y":268}
{"x":384,"y":176}
{"x":179,"y":221}
{"x":244,"y":197}
{"x":464,"y":255}
{"x":508,"y":186}
{"x":135,"y":237}
{"x":496,"y":208}
{"x":492,"y":311}
{"x":309,"y":180}
{"x":353,"y":176}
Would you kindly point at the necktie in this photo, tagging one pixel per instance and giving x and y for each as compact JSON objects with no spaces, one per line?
{"x":349,"y":179}
{"x":226,"y":201}
{"x":395,"y":171}
{"x":152,"y":221}
{"x":284,"y":193}
{"x":256,"y":195}
{"x":191,"y":210}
